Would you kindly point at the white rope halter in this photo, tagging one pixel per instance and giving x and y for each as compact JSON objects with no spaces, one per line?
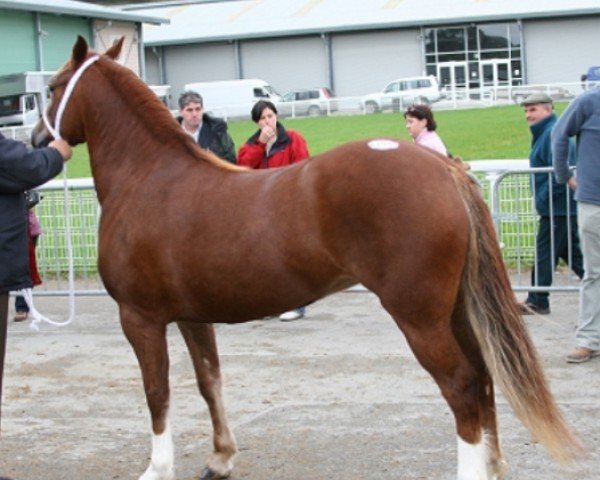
{"x":27,"y":293}
{"x":55,"y":131}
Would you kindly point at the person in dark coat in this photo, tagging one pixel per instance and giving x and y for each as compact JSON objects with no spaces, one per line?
{"x":20,"y":170}
{"x":209,"y":132}
{"x":551,"y":204}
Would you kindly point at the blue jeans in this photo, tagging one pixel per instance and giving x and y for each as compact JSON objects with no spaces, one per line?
{"x":547,"y":261}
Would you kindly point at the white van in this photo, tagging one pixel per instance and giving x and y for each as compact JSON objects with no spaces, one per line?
{"x":233,"y":98}
{"x":163,"y":92}
{"x":401,"y":93}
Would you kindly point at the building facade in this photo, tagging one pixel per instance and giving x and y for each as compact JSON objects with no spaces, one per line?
{"x":355,"y":47}
{"x":41,"y":34}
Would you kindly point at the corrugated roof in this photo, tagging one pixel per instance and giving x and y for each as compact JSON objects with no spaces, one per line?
{"x":230,"y":20}
{"x":81,"y":9}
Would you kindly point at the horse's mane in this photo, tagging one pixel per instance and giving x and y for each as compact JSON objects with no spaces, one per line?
{"x":153,"y":114}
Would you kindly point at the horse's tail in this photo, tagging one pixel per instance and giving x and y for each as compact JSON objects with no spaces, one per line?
{"x":507,"y":349}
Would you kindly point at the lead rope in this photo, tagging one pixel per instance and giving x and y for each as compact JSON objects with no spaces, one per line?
{"x":27,"y":293}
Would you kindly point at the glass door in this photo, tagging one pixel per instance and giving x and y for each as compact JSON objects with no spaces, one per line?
{"x":453,"y":78}
{"x":496,"y":78}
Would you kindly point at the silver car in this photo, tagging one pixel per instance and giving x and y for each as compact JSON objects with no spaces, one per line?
{"x":312,"y":102}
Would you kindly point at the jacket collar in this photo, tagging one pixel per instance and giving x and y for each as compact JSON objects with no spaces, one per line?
{"x":540,"y":127}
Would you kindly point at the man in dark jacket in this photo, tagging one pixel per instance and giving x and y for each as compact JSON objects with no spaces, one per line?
{"x":210,"y":133}
{"x":20,"y":170}
{"x":556,"y":222}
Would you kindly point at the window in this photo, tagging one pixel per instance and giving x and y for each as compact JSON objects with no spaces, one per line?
{"x":260,"y":93}
{"x":30,"y":103}
{"x":493,"y":37}
{"x":392,"y":87}
{"x":429,"y":40}
{"x":472,"y":44}
{"x":9,"y":105}
{"x":451,"y":40}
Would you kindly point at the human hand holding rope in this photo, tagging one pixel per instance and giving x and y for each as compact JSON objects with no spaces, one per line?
{"x":63,"y":148}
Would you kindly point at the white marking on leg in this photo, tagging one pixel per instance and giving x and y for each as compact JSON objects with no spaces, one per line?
{"x":161,"y":462}
{"x":472,"y":460}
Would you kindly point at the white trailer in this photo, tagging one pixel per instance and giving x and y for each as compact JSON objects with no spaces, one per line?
{"x":23,"y":96}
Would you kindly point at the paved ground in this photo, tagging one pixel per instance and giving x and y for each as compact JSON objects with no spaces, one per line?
{"x":336,"y":395}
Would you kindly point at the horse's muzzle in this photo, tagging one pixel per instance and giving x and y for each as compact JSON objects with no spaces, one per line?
{"x":39,"y":136}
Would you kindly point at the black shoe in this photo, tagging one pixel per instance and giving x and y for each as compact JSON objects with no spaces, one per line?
{"x":530,"y":309}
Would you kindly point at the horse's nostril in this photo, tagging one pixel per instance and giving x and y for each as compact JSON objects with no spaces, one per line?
{"x":38,"y":140}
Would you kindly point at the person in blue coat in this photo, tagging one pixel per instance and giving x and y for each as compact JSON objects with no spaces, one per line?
{"x":554,"y":203}
{"x":581,"y":119}
{"x":20,"y":170}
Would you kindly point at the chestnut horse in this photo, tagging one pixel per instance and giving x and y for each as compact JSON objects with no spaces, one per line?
{"x":187,"y":238}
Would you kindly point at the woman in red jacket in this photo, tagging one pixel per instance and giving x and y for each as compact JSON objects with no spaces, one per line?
{"x":273,"y":146}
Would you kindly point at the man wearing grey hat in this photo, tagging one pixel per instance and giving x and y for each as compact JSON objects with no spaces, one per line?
{"x":558,"y":214}
{"x":582,"y":119}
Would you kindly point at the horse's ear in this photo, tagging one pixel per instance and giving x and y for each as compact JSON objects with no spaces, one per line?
{"x":80,"y":50}
{"x":114,"y":51}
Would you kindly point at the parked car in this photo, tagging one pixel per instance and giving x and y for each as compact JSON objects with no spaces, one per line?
{"x":312,"y":102}
{"x":403,"y":92}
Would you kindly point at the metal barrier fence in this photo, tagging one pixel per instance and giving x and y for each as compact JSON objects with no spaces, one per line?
{"x":22,"y":134}
{"x":511,"y":199}
{"x":506,"y":187}
{"x":52,"y":255}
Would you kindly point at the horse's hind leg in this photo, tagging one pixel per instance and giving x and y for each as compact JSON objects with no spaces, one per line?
{"x":481,"y":407}
{"x":202,"y":345}
{"x":148,"y":340}
{"x":445,"y":347}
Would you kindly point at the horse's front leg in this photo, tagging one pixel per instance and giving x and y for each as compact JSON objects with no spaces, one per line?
{"x":202,"y":345}
{"x":147,"y":336}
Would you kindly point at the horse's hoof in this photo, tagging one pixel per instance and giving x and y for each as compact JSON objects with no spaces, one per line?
{"x":210,"y":474}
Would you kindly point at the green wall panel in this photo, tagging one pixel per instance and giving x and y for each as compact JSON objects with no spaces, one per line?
{"x":17,"y":37}
{"x":60,"y":35}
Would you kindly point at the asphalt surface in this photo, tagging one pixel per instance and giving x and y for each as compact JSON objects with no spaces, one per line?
{"x":336,"y":395}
